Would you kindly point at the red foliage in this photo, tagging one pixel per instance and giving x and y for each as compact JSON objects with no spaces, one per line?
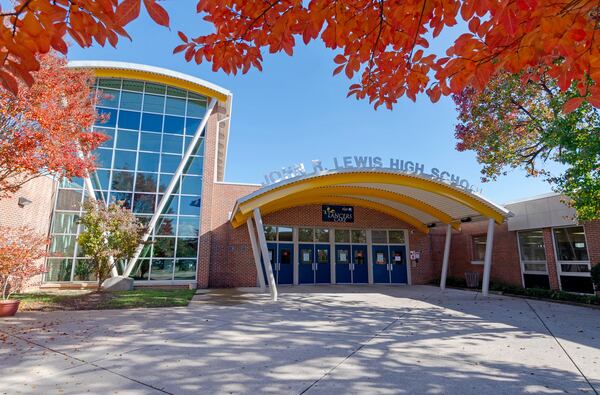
{"x":46,"y":127}
{"x":20,"y":248}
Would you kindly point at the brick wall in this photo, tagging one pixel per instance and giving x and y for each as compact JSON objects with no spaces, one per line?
{"x":36,"y":215}
{"x":592,"y":235}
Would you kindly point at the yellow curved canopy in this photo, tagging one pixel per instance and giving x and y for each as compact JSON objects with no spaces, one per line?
{"x":414,"y":199}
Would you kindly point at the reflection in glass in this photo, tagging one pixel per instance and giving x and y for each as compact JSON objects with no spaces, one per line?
{"x":188,"y":226}
{"x":396,"y":236}
{"x":122,"y":181}
{"x":58,"y":269}
{"x":570,"y":244}
{"x":162,"y":269}
{"x":342,"y":236}
{"x":69,"y":200}
{"x":144,"y":203}
{"x":306,"y":234}
{"x":322,"y":235}
{"x":146,"y":182}
{"x":270,"y":233}
{"x":285,"y":233}
{"x":187,"y":248}
{"x":185,"y":269}
{"x":379,"y":236}
{"x":65,"y":223}
{"x":359,"y":236}
{"x":166,"y":225}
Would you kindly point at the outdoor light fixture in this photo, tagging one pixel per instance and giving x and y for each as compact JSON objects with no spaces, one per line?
{"x":465,"y":219}
{"x":23,"y":201}
{"x":431,"y":225}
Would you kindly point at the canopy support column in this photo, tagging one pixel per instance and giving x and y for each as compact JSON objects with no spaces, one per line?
{"x":260,"y":230}
{"x":446,"y":257}
{"x":256,"y":253}
{"x":487,"y":262}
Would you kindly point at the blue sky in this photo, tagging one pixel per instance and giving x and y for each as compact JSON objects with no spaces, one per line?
{"x":295,"y":111}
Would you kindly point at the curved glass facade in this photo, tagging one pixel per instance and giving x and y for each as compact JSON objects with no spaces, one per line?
{"x":150,"y":126}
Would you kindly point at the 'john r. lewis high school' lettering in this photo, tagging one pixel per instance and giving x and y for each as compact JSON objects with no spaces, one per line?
{"x":369,"y":162}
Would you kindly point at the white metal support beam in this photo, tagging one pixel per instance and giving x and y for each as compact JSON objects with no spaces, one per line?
{"x":256,"y":253}
{"x":172,"y":184}
{"x":260,"y":230}
{"x":444,"y":275}
{"x":487,"y":261}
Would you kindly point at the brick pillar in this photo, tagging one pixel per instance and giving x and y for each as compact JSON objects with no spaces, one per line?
{"x":592,"y":237}
{"x":550,"y":259}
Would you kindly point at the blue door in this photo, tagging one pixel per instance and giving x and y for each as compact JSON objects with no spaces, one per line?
{"x":323,"y":265}
{"x":342,"y":264}
{"x":381,"y":274}
{"x":360,"y":267}
{"x":285,"y":273}
{"x":306,"y":264}
{"x":272,"y":247}
{"x":398,"y":265}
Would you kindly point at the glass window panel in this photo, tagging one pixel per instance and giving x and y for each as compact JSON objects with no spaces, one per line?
{"x":74,"y":183}
{"x":131,"y":101}
{"x":574,"y":268}
{"x":531,"y":244}
{"x":175,"y":106}
{"x":100,"y":179}
{"x":166,"y":225}
{"x":162,"y":269}
{"x":69,"y":200}
{"x":122,"y":181}
{"x":172,"y":91}
{"x":189,"y":205}
{"x":143,"y":219}
{"x":171,"y":206}
{"x":306,"y":234}
{"x":172,"y":144}
{"x":109,"y":83}
{"x":164,"y":247}
{"x":322,"y":235}
{"x":187,"y":248}
{"x":199,"y":149}
{"x":153,"y":103}
{"x":379,"y":236}
{"x":270,"y":233}
{"x":396,"y":236}
{"x":359,"y":236}
{"x":165,"y":179}
{"x":106,"y":117}
{"x":535,"y":267}
{"x":110,"y":133}
{"x":169,"y":163}
{"x":133,"y":85}
{"x":65,"y":223}
{"x":196,"y":96}
{"x":127,"y":139}
{"x":124,"y":198}
{"x":192,"y":125}
{"x":342,"y":255}
{"x":144,"y":203}
{"x":185,"y":269}
{"x":84,"y":270}
{"x":141,"y":270}
{"x":359,"y":257}
{"x":191,"y":185}
{"x":150,"y":142}
{"x":306,"y":255}
{"x":148,"y":162}
{"x":570,"y":244}
{"x":109,"y":98}
{"x":152,"y":122}
{"x":342,"y":236}
{"x":285,"y":233}
{"x":129,"y":120}
{"x":196,"y":108}
{"x":62,"y":245}
{"x":195,"y":165}
{"x":322,"y":255}
{"x":103,"y":158}
{"x":124,"y":160}
{"x":146,"y":182}
{"x":479,"y":247}
{"x":188,"y":226}
{"x":147,"y":250}
{"x":155,"y":88}
{"x":173,"y":124}
{"x":58,"y":269}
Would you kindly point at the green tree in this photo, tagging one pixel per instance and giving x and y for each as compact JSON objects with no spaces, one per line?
{"x":109,"y":232}
{"x":517,"y":123}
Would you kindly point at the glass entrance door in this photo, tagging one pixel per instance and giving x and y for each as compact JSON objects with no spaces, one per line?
{"x":306,"y":268}
{"x":397,"y":265}
{"x":323,"y":264}
{"x":343,"y":275}
{"x":381,"y":274}
{"x":285,"y":273}
{"x":359,"y":267}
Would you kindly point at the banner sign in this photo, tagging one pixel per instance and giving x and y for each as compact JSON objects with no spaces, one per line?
{"x":337,"y":213}
{"x":370,"y":162}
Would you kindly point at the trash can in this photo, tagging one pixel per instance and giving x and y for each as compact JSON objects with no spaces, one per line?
{"x":472,"y":279}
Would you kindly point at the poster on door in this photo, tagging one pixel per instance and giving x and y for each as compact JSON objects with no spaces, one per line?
{"x":380,"y":258}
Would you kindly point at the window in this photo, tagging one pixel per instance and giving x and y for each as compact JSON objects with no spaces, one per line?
{"x":396,"y":236}
{"x":129,"y":120}
{"x":570,"y":244}
{"x":174,"y":124}
{"x":131,"y":101}
{"x":305,"y":235}
{"x":150,"y":142}
{"x":124,"y":160}
{"x":153,"y":103}
{"x":479,"y":248}
{"x":532,"y":252}
{"x":359,"y":236}
{"x":122,"y":181}
{"x":175,"y":106}
{"x":152,"y":122}
{"x":285,"y":233}
{"x":148,"y":162}
{"x":271,"y":233}
{"x":342,"y":236}
{"x":379,"y":236}
{"x":166,"y":225}
{"x":322,"y":235}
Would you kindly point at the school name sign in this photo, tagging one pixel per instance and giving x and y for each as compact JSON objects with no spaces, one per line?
{"x":369,"y":162}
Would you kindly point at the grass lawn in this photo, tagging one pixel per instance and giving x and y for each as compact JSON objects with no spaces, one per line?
{"x":87,"y":300}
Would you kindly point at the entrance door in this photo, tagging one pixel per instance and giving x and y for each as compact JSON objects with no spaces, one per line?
{"x":381,"y":274}
{"x":342,"y":264}
{"x":360,"y":268}
{"x":398,"y":273}
{"x":306,"y":264}
{"x":323,"y":265}
{"x":286,"y":268}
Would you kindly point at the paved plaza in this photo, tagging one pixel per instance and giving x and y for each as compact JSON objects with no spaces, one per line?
{"x":315,"y":340}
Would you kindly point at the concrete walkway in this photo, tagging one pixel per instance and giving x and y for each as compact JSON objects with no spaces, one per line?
{"x":316,"y":340}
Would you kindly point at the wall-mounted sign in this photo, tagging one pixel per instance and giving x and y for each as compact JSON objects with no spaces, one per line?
{"x":337,"y":213}
{"x":370,"y":162}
